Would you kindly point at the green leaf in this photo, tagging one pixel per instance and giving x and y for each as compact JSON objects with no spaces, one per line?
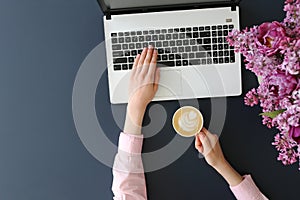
{"x":272,"y":114}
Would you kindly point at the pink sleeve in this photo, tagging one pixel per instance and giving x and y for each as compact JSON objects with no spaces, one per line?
{"x":128,"y":172}
{"x":247,"y":190}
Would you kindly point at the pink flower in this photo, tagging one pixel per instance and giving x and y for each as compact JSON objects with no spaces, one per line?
{"x":295,"y":134}
{"x":251,"y":98}
{"x":270,"y":36}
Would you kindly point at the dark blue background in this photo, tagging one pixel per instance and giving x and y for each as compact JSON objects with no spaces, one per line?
{"x":42,"y":44}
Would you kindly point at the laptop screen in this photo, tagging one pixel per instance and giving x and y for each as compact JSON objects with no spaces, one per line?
{"x":117,"y":4}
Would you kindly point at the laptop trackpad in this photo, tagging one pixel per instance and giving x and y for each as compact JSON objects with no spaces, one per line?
{"x":170,"y":83}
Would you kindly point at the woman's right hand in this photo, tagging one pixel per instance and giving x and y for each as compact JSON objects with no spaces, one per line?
{"x":208,"y":145}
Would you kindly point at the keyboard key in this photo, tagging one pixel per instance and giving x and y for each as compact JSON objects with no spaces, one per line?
{"x":141,"y":38}
{"x":140,"y":51}
{"x":199,"y":41}
{"x":159,"y":57}
{"x":124,"y":67}
{"x":127,"y":53}
{"x":117,"y":67}
{"x":231,"y":53}
{"x":164,"y":31}
{"x":178,"y":56}
{"x":220,"y":40}
{"x":209,"y":61}
{"x":148,"y":38}
{"x":114,"y":40}
{"x":164,"y":57}
{"x":120,"y":34}
{"x":226,"y":46}
{"x":231,"y":26}
{"x":178,"y":63}
{"x":145,"y":32}
{"x":125,"y":46}
{"x":157,"y":31}
{"x":117,"y":53}
{"x":178,"y":42}
{"x":167,"y":50}
{"x":189,"y":29}
{"x":160,"y":51}
{"x":132,"y":33}
{"x":225,"y":26}
{"x":220,"y":46}
{"x":116,"y":47}
{"x":170,"y":30}
{"x":206,"y":41}
{"x":225,"y":33}
{"x":221,"y":53}
{"x":200,"y":55}
{"x":215,"y":60}
{"x":176,"y":30}
{"x":120,"y":60}
{"x":232,"y":59}
{"x":203,"y":61}
{"x":214,"y":40}
{"x":139,"y":32}
{"x":214,"y":27}
{"x":133,"y":52}
{"x":226,"y":59}
{"x":215,"y":54}
{"x":175,"y":36}
{"x":152,"y":44}
{"x":205,"y":34}
{"x":191,"y":55}
{"x":131,"y":46}
{"x":168,"y":36}
{"x":226,"y":53}
{"x":195,"y":28}
{"x":181,"y":49}
{"x":208,"y":54}
{"x":121,"y":40}
{"x":138,"y":45}
{"x":174,"y":49}
{"x":158,"y":44}
{"x":185,"y":63}
{"x":154,"y":37}
{"x":182,"y":29}
{"x":188,"y":35}
{"x":161,"y":37}
{"x":214,"y":33}
{"x":165,"y":43}
{"x":182,"y":35}
{"x":171,"y":57}
{"x":207,"y":28}
{"x":192,"y":42}
{"x":130,"y":66}
{"x":166,"y":64}
{"x":215,"y":47}
{"x":219,"y":27}
{"x":194,"y":48}
{"x":185,"y":42}
{"x":151,"y":32}
{"x":128,"y":39}
{"x":206,"y":47}
{"x":195,"y":62}
{"x":187,"y":49}
{"x":134,"y":39}
{"x":172,"y":43}
{"x":131,"y":59}
{"x":201,"y":28}
{"x":195,"y":35}
{"x":114,"y":34}
{"x":145,"y":44}
{"x":220,"y":33}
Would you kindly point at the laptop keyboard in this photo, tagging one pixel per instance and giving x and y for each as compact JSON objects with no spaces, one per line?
{"x":185,"y":46}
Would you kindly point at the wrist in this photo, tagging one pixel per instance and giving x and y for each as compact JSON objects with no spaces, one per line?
{"x":134,"y":119}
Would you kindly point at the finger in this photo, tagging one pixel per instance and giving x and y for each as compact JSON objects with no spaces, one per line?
{"x":147,"y":60}
{"x":142,"y":58}
{"x":156,"y":79}
{"x":198,"y":144}
{"x":136,"y":61}
{"x":205,"y":143}
{"x":153,"y":63}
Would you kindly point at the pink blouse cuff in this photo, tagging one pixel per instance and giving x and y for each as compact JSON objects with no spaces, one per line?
{"x":130,"y":143}
{"x":247,"y":189}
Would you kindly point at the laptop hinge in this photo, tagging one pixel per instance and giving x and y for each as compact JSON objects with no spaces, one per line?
{"x":108,"y":14}
{"x":233,"y":7}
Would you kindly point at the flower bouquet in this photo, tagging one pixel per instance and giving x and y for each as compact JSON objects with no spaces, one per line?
{"x":272,"y":52}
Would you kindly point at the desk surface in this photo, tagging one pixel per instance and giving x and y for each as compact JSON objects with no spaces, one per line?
{"x":43,"y":44}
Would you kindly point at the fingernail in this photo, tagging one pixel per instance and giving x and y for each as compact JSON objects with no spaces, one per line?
{"x":201,"y":135}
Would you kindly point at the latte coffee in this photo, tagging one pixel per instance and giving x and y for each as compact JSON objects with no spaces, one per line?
{"x":187,"y":121}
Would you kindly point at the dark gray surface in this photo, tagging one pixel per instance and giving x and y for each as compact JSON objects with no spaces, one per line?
{"x":42,"y":44}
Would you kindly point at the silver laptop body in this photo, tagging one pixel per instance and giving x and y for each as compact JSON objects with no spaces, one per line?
{"x":194,"y":57}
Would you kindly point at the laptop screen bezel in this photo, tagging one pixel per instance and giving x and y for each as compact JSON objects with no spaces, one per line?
{"x":107,"y":10}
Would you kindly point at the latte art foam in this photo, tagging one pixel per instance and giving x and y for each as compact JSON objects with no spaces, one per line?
{"x":189,"y":121}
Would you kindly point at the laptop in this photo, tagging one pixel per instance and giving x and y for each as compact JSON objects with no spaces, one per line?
{"x":194,"y":57}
